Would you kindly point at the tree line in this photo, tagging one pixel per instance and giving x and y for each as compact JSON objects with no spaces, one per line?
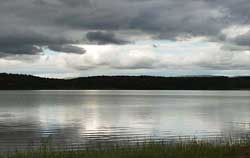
{"x":28,"y":82}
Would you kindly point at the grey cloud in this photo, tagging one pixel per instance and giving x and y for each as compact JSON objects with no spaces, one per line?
{"x":104,"y":38}
{"x":238,"y":11}
{"x":67,"y":49}
{"x":20,"y":36}
{"x":242,"y":40}
{"x":19,"y":49}
{"x":56,"y":22}
{"x":76,"y":3}
{"x":14,"y":41}
{"x":233,"y":47}
{"x":237,"y":43}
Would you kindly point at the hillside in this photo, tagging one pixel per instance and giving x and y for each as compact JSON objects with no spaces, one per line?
{"x":27,"y":82}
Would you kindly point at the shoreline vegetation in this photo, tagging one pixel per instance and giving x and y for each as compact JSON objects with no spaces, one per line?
{"x":28,"y":82}
{"x":190,"y":149}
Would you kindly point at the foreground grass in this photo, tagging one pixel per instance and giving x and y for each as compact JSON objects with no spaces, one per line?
{"x":146,"y":150}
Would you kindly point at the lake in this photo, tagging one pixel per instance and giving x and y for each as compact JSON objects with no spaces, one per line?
{"x":79,"y":118}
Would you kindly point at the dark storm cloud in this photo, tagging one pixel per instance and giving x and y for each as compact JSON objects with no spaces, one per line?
{"x":67,"y":49}
{"x":76,"y":3}
{"x":243,"y":40}
{"x":23,"y":41}
{"x":60,"y":22}
{"x":6,"y":51}
{"x":104,"y":38}
{"x":20,"y":36}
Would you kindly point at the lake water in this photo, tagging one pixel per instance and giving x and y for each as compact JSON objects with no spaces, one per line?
{"x":74,"y":118}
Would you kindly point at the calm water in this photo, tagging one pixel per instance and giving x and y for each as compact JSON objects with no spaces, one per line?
{"x":83,"y":117}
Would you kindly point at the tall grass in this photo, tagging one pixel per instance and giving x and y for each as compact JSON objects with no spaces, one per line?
{"x":190,"y":149}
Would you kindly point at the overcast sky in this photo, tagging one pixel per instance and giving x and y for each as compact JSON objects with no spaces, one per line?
{"x":69,"y":38}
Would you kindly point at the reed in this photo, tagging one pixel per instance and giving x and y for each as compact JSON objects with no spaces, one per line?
{"x":147,"y":149}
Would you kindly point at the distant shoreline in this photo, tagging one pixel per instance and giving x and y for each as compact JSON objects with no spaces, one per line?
{"x":28,"y":82}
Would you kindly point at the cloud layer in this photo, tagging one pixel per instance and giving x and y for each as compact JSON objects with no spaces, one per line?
{"x":181,"y":59}
{"x":28,"y":27}
{"x":39,"y":22}
{"x":103,"y":38}
{"x":67,"y":49}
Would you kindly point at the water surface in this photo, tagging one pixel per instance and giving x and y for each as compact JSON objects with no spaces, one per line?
{"x":82,"y":117}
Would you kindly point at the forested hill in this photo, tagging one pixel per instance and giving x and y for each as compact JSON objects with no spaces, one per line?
{"x":27,"y":82}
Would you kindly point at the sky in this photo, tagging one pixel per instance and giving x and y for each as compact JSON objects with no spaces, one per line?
{"x":71,"y":38}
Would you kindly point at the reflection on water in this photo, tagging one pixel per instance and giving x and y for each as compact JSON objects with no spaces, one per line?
{"x":80,"y":117}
